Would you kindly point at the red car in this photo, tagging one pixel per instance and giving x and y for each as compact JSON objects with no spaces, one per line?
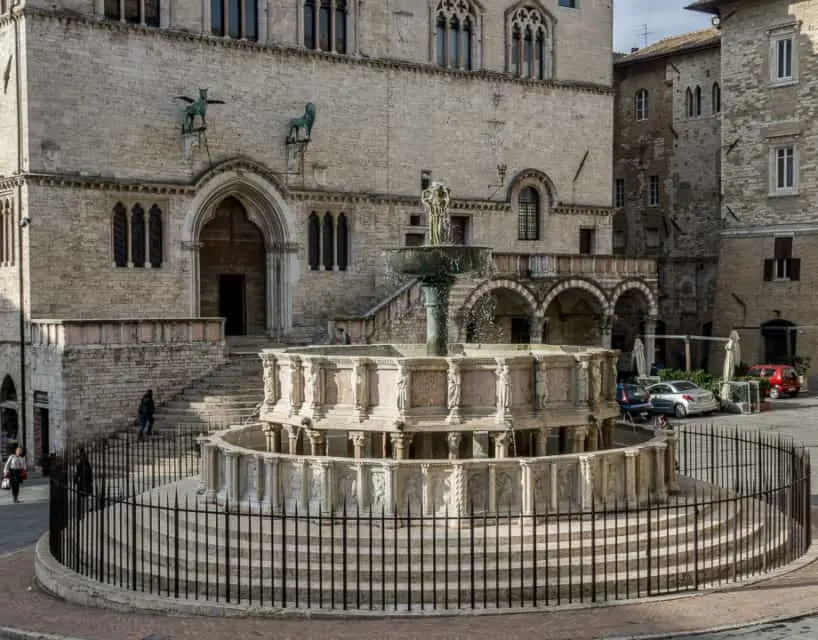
{"x":783,"y":379}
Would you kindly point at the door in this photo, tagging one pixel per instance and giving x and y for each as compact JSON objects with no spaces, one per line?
{"x":231,"y":303}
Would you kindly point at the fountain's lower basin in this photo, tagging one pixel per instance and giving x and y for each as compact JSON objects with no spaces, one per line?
{"x":438,"y":261}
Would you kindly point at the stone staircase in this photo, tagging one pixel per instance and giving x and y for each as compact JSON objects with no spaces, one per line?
{"x":486,"y":563}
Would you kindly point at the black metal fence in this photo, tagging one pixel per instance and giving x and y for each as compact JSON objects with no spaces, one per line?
{"x":743,"y":509}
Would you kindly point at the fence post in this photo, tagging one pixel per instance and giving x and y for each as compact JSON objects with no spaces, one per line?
{"x":176,"y":545}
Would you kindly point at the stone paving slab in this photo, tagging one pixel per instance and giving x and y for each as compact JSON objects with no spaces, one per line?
{"x":787,"y":595}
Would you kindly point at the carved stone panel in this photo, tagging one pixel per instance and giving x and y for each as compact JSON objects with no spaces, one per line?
{"x":377,"y":491}
{"x":347,"y":491}
{"x":478,"y":388}
{"x":429,"y":389}
{"x":477,"y":491}
{"x":521,"y":382}
{"x":559,"y":384}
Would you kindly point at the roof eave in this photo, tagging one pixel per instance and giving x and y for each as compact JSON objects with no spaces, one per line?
{"x":636,"y":59}
{"x":705,"y":6}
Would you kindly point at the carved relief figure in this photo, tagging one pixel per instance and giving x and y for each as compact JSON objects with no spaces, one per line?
{"x":312,"y":384}
{"x":402,"y":389}
{"x":317,"y":488}
{"x":504,"y":492}
{"x":477,"y":486}
{"x":270,"y":372}
{"x":348,"y":490}
{"x":596,"y":381}
{"x":359,"y":400}
{"x":503,"y":388}
{"x":436,"y":200}
{"x":295,"y":383}
{"x":439,"y":493}
{"x":453,"y":380}
{"x":453,"y":442}
{"x":582,"y":381}
{"x":293,"y":492}
{"x":542,"y":386}
{"x":378,"y":491}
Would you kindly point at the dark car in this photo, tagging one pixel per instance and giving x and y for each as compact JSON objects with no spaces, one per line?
{"x":634,"y":401}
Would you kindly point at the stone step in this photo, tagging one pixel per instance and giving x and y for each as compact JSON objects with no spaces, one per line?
{"x":195,"y":404}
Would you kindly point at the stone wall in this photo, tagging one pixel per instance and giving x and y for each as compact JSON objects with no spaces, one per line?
{"x":8,"y":104}
{"x":95,"y":372}
{"x":758,"y":116}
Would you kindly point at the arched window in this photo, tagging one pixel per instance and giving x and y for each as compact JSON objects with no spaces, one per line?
{"x":120,"y":233}
{"x":314,"y":242}
{"x":325,"y":25}
{"x":530,"y":52}
{"x":343,"y":243}
{"x":689,"y":102}
{"x":454,"y":34}
{"x":640,"y":106}
{"x":697,"y":101}
{"x":328,"y":242}
{"x":155,"y":247}
{"x":716,"y":98}
{"x":528,"y":214}
{"x":236,"y":19}
{"x":138,"y":236}
{"x":143,"y":12}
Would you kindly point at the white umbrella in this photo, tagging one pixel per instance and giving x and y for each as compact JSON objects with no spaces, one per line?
{"x":732,"y":355}
{"x":639,"y":358}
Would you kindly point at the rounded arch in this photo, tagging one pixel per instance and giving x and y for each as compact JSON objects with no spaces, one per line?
{"x":537,"y":179}
{"x":501,"y":283}
{"x":8,"y":392}
{"x":644,"y":289}
{"x":255,"y":188}
{"x":575,"y":283}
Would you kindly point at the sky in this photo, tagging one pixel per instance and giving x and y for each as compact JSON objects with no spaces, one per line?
{"x":631,"y":16}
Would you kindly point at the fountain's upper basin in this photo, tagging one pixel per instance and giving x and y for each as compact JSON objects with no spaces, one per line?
{"x":438,"y":260}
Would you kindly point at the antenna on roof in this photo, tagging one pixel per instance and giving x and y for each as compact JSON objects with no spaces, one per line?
{"x":644,"y":33}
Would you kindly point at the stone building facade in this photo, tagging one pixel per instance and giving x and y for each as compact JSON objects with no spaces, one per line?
{"x":127,"y":218}
{"x":766,"y":285}
{"x":667,"y":155}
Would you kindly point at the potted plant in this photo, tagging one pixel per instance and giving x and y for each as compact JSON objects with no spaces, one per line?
{"x":801,"y":365}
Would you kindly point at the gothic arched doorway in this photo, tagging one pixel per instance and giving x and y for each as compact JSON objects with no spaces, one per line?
{"x":233,"y":270}
{"x":779,"y":341}
{"x":9,"y":424}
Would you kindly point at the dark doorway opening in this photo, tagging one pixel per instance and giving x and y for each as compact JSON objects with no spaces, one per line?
{"x":232,"y":303}
{"x":41,"y":435}
{"x":520,"y":331}
{"x":779,"y":341}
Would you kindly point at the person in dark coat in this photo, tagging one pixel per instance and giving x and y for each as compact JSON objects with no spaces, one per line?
{"x":146,"y":411}
{"x":83,"y":481}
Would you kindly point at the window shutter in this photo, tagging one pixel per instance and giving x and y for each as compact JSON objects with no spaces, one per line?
{"x":783,"y":247}
{"x":768,"y":269}
{"x":795,"y":269}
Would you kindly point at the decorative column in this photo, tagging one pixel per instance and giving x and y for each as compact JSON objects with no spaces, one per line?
{"x":659,"y":486}
{"x":402,"y":386}
{"x":400,"y":442}
{"x":358,"y":439}
{"x":607,"y":433}
{"x":592,"y":439}
{"x":585,"y":481}
{"x":232,"y":478}
{"x":542,"y":441}
{"x":272,"y":435}
{"x":453,"y":442}
{"x":613,"y":376}
{"x":205,"y":463}
{"x":650,"y":341}
{"x":292,"y":439}
{"x":360,"y":387}
{"x":457,"y":498}
{"x":581,"y":377}
{"x":454,"y":381}
{"x":631,"y":495}
{"x":503,"y":392}
{"x":671,"y":471}
{"x":296,"y":398}
{"x":541,"y":385}
{"x":436,"y":330}
{"x":537,"y":326}
{"x":272,"y":499}
{"x":501,"y":442}
{"x":272,"y":392}
{"x":317,"y":442}
{"x":579,"y":434}
{"x":319,"y":496}
{"x":527,"y":487}
{"x":313,"y":386}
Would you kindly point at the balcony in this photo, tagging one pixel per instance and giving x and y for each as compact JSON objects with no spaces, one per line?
{"x":552,"y":265}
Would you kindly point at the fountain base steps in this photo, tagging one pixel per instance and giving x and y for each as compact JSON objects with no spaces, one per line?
{"x":674,"y":547}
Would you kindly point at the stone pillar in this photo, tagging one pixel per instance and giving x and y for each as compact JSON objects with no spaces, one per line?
{"x":272,"y":435}
{"x":631,"y":495}
{"x":320,"y":498}
{"x":454,"y":384}
{"x":537,"y":325}
{"x":585,"y":481}
{"x":527,"y":487}
{"x":659,"y":486}
{"x":607,"y":433}
{"x":542,"y":441}
{"x":541,"y":385}
{"x":457,"y":498}
{"x":205,"y":463}
{"x":671,"y":472}
{"x":272,"y":500}
{"x":292,"y":439}
{"x":453,"y":442}
{"x":272,"y":391}
{"x":501,"y":443}
{"x":317,"y":442}
{"x":650,"y":341}
{"x":360,"y":387}
{"x":592,"y":438}
{"x":578,"y":434}
{"x":258,"y":480}
{"x":232,"y":478}
{"x":400,"y":443}
{"x":296,"y":398}
{"x":358,"y":439}
{"x":581,"y":386}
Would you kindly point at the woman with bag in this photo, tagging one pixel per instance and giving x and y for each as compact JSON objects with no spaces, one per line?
{"x":15,"y":472}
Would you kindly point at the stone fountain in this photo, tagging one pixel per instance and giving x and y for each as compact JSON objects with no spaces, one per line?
{"x":437,"y":263}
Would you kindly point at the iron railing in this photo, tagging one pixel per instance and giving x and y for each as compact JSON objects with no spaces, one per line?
{"x":743,"y":509}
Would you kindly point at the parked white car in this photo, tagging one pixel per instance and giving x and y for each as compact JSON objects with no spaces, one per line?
{"x":681,"y":398}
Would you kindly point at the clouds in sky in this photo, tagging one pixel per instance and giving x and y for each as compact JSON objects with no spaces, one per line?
{"x":663,"y":18}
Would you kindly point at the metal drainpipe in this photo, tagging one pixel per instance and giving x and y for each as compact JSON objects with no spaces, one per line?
{"x":21,"y":402}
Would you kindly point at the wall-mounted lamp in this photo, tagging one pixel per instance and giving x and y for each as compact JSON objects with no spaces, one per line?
{"x":502,"y":169}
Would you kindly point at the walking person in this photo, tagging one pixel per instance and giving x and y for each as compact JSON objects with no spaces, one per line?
{"x":83,"y":481}
{"x":146,"y":411}
{"x":15,"y":471}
